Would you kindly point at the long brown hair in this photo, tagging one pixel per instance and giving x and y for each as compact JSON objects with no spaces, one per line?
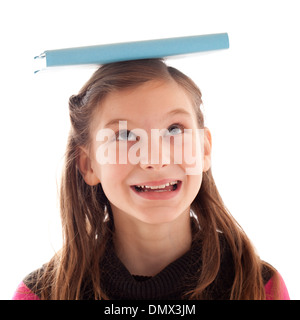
{"x":87,"y":218}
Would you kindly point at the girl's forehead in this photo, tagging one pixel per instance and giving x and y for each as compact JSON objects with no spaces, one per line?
{"x":152,"y":100}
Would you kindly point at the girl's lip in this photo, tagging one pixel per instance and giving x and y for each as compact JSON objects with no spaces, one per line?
{"x":158,"y":195}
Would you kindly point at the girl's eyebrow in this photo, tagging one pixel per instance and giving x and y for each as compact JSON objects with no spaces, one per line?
{"x":171,"y":113}
{"x":178,"y":111}
{"x":114,"y":122}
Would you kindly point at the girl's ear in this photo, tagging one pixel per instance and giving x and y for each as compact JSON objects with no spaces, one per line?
{"x":85,"y":168}
{"x":207,"y":150}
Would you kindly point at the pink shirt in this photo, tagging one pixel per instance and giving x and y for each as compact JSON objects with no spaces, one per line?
{"x":283,"y":292}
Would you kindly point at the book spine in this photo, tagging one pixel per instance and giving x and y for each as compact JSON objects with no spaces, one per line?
{"x":160,"y":48}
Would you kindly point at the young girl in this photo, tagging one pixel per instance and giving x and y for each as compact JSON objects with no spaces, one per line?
{"x":145,"y":226}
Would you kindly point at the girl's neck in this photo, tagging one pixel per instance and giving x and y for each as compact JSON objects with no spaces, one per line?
{"x":147,"y":249}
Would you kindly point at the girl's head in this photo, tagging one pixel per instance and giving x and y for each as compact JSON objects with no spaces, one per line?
{"x":160,"y":112}
{"x":145,"y":95}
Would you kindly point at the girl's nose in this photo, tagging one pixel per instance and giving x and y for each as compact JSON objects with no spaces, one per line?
{"x":150,"y":166}
{"x":158,"y":156}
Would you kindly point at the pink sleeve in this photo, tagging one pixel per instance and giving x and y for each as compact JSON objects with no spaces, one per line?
{"x":283,"y":292}
{"x":24,"y":293}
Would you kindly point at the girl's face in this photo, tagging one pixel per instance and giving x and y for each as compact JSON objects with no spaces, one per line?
{"x":139,"y":187}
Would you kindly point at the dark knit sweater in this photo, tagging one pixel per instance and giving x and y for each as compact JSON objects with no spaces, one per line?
{"x":173,"y":282}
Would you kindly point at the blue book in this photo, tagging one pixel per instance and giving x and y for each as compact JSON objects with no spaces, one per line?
{"x":160,"y":48}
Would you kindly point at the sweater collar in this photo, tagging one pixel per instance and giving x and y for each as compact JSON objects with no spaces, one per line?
{"x":172,"y":282}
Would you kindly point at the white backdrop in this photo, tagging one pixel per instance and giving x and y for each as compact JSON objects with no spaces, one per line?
{"x":251,"y":100}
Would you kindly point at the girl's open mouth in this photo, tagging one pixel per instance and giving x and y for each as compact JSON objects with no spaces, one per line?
{"x":161,"y":191}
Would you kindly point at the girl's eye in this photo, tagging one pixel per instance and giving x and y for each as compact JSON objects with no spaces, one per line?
{"x":175,"y":129}
{"x":126,"y":135}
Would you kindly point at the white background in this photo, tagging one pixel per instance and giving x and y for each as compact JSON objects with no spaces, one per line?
{"x":251,"y":96}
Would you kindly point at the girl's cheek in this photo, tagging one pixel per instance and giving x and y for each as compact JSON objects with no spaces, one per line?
{"x":122,"y":149}
{"x":192,"y":155}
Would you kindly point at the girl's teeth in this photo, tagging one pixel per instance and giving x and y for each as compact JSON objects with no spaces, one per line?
{"x":158,"y":187}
